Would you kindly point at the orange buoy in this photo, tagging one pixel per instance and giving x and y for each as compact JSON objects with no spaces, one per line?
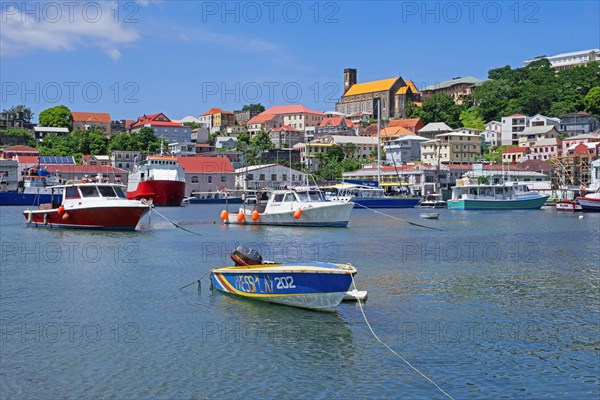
{"x":66,"y":216}
{"x":255,"y":216}
{"x":224,"y":215}
{"x":241,"y":218}
{"x":298,"y":213}
{"x":61,"y":210}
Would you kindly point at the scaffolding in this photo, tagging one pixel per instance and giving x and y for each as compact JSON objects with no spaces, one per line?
{"x":570,"y":172}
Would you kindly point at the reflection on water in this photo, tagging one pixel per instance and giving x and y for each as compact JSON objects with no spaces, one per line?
{"x":496,"y":305}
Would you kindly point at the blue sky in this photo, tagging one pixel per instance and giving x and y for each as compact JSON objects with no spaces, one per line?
{"x":182,"y":57}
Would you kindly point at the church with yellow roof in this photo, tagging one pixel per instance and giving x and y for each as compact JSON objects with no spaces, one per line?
{"x":393,"y":93}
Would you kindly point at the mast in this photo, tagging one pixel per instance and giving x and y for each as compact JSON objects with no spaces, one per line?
{"x":378,"y":141}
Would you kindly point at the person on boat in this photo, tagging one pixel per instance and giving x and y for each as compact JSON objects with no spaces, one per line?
{"x":582,"y":190}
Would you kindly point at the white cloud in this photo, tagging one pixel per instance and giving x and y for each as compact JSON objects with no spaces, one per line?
{"x":23,"y":33}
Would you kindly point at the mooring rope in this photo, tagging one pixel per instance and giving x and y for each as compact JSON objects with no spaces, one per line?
{"x":199,"y":280}
{"x":399,"y":219}
{"x":153,"y":209}
{"x":392,"y":350}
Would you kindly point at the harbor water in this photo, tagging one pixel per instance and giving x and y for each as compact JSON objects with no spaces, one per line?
{"x":489,"y":305}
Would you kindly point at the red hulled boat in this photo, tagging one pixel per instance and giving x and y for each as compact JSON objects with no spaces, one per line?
{"x":88,"y":205}
{"x":158,"y":178}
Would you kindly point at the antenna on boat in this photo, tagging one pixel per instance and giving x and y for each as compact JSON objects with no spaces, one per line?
{"x":378,"y":141}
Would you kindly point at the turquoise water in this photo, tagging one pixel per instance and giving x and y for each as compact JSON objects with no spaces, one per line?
{"x":498,"y":304}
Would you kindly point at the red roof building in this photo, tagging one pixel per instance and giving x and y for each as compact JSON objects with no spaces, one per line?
{"x":514,"y":154}
{"x":162,"y":126}
{"x":85,"y":120}
{"x":10,"y":152}
{"x":207,"y":174}
{"x":412,"y":124}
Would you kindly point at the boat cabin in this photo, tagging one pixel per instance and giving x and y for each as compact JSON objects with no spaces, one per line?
{"x":489,"y":192}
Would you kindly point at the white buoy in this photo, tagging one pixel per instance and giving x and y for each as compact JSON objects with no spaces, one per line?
{"x":581,"y":217}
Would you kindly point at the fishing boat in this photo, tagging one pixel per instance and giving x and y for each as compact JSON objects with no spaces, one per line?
{"x":34,"y":190}
{"x":303,"y":206}
{"x":507,"y":196}
{"x":591,"y":201}
{"x":313,"y":285}
{"x":568,"y":205}
{"x":371,"y":196}
{"x":433,"y":200}
{"x":158,"y":178}
{"x":88,"y":205}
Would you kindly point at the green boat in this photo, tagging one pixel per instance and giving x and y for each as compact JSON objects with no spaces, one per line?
{"x":507,"y":196}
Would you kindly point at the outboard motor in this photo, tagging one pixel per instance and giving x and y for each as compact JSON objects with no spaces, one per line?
{"x":246,"y":255}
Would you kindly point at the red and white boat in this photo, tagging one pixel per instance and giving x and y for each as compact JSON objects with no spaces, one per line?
{"x":568,"y":205}
{"x":88,"y":205}
{"x":591,"y":201}
{"x":158,"y":178}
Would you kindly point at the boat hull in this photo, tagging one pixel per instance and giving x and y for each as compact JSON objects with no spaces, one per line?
{"x":23,"y":199}
{"x":162,"y":192}
{"x":113,"y":218}
{"x":232,"y":200}
{"x":568,"y":206}
{"x":306,"y":286}
{"x":589,"y":204}
{"x":386,"y":202}
{"x":481,"y":204}
{"x":334,"y":215}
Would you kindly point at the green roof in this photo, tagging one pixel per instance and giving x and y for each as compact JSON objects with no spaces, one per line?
{"x":452,"y":82}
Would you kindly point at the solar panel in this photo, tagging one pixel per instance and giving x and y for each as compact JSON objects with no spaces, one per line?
{"x":57,"y":160}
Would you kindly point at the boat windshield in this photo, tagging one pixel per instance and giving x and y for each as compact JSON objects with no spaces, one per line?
{"x":106,"y":191}
{"x":119,"y":192}
{"x":89,"y":191}
{"x":310,"y":195}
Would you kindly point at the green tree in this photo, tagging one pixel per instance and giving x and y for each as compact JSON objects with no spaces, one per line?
{"x":254,"y":107}
{"x":27,"y":114}
{"x":592,"y":101}
{"x":262,"y":141}
{"x":58,"y":117}
{"x":439,"y":108}
{"x":18,"y":133}
{"x":470,"y":118}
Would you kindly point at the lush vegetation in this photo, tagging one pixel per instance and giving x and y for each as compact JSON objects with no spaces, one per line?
{"x":57,"y":117}
{"x":11,"y":133}
{"x":534,"y":89}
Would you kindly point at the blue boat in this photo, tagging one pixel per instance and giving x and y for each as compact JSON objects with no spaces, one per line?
{"x":313,"y":285}
{"x":365,"y":196}
{"x":23,"y":199}
{"x":36,"y":190}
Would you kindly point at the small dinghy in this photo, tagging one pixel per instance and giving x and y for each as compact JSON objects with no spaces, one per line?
{"x":430,"y":215}
{"x":313,"y":285}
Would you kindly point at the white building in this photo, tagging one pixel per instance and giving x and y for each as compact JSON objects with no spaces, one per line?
{"x":542,"y":120}
{"x":124,"y":159}
{"x":268,"y":176}
{"x":405,"y":149}
{"x":511,"y":127}
{"x":9,"y":175}
{"x":41,"y":131}
{"x":491,"y":138}
{"x":532,"y":134}
{"x":494,"y":126}
{"x":183,"y":149}
{"x":570,"y":60}
{"x":225,"y":142}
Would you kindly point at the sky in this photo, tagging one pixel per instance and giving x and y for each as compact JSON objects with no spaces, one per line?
{"x":131,"y":58}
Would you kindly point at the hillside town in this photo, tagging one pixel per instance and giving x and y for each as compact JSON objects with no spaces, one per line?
{"x":372,"y":120}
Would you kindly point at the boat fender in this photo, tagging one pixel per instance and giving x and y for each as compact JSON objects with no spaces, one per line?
{"x":61,"y":210}
{"x":255,"y":216}
{"x":224,"y":215}
{"x":45,"y":219}
{"x":66,"y":216}
{"x":297,"y":214}
{"x":241,"y":218}
{"x":30,"y":217}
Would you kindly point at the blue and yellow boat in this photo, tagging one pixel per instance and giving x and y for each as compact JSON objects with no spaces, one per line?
{"x":314,"y":285}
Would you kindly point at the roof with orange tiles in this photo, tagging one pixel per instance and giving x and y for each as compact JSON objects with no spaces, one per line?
{"x":335,"y":121}
{"x":291,"y":109}
{"x":206,"y":165}
{"x":395,"y":131}
{"x":370,"y":87}
{"x":286,"y":128}
{"x":216,"y":110}
{"x":370,"y":130}
{"x":407,"y":123}
{"x":91,"y":117}
{"x":515,"y":150}
{"x":152,"y":121}
{"x":261,"y":118}
{"x":409,"y":85}
{"x":20,"y":148}
{"x":28,"y":159}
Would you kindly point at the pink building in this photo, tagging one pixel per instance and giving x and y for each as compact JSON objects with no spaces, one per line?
{"x":546,"y":149}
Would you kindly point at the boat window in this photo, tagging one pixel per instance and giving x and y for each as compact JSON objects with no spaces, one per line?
{"x":289,"y":197}
{"x":315,"y":195}
{"x":303,"y":196}
{"x":72,"y":193}
{"x":106,"y":191}
{"x":119,"y":192}
{"x":89,"y":191}
{"x":278,"y":198}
